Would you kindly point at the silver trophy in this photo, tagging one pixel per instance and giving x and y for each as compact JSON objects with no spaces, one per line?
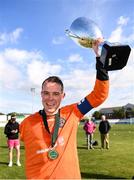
{"x":85,"y":32}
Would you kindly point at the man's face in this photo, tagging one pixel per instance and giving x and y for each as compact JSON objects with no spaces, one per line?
{"x":103,"y":118}
{"x":13,"y":119}
{"x":52,"y":96}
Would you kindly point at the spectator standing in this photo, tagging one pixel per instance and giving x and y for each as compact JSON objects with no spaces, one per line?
{"x":12,"y":132}
{"x":104,"y":128}
{"x":89,"y":128}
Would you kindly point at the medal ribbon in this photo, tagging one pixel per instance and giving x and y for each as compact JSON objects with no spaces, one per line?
{"x":56,"y":129}
{"x":56,"y":126}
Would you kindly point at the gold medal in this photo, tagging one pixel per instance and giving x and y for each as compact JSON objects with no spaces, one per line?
{"x":53,"y":154}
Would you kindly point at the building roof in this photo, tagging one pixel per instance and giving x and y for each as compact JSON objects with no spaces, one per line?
{"x":110,"y":109}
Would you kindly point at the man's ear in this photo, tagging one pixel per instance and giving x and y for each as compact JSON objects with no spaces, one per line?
{"x":63,"y":95}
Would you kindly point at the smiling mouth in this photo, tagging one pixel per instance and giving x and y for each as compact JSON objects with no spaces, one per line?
{"x":50,"y":105}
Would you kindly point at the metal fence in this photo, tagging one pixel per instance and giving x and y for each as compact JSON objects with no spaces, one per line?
{"x":118,"y":121}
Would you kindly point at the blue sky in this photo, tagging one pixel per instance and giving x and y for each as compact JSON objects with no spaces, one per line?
{"x":33,"y":46}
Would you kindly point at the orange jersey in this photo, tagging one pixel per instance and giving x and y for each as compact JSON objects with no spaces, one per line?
{"x":37,"y":140}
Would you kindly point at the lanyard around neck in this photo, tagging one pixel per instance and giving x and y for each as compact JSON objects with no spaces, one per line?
{"x":56,"y":125}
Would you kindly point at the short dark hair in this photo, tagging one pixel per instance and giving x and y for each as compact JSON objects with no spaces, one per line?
{"x":54,"y":79}
{"x":13,"y":115}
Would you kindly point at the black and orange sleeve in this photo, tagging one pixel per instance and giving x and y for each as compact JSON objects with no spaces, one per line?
{"x":100,"y":91}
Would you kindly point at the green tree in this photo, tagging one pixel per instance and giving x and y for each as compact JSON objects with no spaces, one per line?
{"x":119,"y":113}
{"x":97,"y":115}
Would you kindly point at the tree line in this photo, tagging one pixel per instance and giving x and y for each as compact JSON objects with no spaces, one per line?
{"x":120,"y":113}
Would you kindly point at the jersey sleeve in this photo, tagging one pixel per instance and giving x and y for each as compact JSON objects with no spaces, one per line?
{"x":100,"y":90}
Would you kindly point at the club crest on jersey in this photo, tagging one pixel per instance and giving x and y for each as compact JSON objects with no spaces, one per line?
{"x":62,"y":122}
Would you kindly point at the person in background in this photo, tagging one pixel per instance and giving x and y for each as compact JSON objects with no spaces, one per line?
{"x":12,"y":132}
{"x":49,"y":135}
{"x":104,"y":128}
{"x":89,"y":128}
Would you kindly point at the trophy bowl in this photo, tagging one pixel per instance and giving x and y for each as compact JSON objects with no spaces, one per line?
{"x":84,"y":32}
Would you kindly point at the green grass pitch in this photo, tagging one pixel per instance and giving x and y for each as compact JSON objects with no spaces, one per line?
{"x":115,"y":163}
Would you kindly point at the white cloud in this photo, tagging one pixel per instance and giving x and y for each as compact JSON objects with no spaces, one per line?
{"x":117,"y":34}
{"x":122,"y":20}
{"x":77,"y":83}
{"x":24,"y":67}
{"x":78,"y":79}
{"x":9,"y":74}
{"x":20,"y":56}
{"x":75,"y":58}
{"x":13,"y":66}
{"x":39,"y":70}
{"x":11,"y":37}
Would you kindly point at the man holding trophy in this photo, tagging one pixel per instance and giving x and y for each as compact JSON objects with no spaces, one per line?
{"x":50,"y":135}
